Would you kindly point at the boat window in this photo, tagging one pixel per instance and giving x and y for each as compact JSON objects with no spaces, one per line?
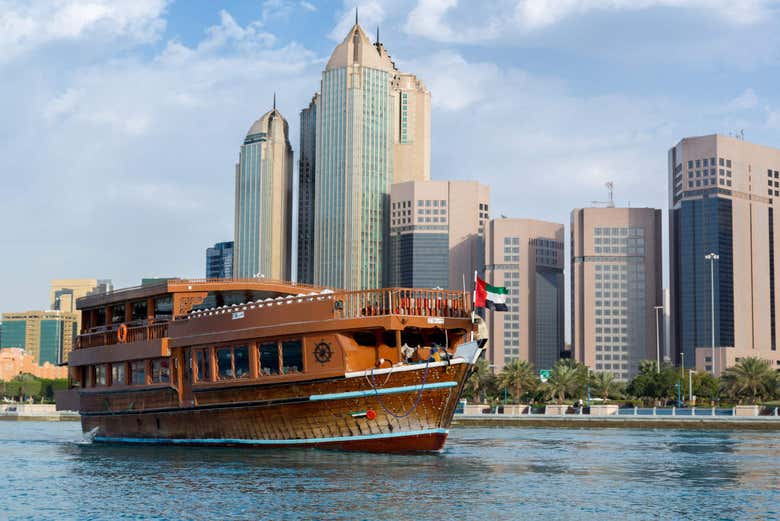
{"x":241,"y":361}
{"x":388,"y":338}
{"x":100,"y":320}
{"x":118,"y":374}
{"x":365,"y":338}
{"x":292,"y":356}
{"x":100,"y":374}
{"x":118,"y":314}
{"x":138,"y":372}
{"x":161,"y":371}
{"x":139,"y":310}
{"x":224,"y":363}
{"x":269,"y":358}
{"x":163,"y":308}
{"x":412,"y":338}
{"x":89,"y":381}
{"x":203,"y":359}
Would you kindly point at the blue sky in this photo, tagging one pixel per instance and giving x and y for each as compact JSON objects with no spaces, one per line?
{"x":120,"y":122}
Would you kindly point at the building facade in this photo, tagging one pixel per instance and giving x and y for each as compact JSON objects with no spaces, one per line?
{"x":306,"y":171}
{"x":219,"y":261}
{"x":14,"y":361}
{"x":615,"y":288}
{"x":47,"y":336}
{"x":363,"y":121}
{"x":526,"y":256}
{"x":722,"y":191}
{"x":263,"y":209}
{"x":63,"y":293}
{"x":437,"y":233}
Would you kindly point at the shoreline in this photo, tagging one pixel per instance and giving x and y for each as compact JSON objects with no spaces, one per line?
{"x":763,"y":423}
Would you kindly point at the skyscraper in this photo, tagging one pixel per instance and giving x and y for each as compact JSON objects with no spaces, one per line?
{"x":306,"y":170}
{"x":721,"y":201}
{"x":366,"y":108}
{"x":263,"y":211}
{"x":45,"y":335}
{"x":615,"y":288}
{"x":63,"y":293}
{"x":437,"y":233}
{"x":526,"y":257}
{"x":219,"y":261}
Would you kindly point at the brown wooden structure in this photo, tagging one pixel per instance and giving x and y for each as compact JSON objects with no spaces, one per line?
{"x":270,"y":363}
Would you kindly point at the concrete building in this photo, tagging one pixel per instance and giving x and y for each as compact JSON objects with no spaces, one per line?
{"x":219,"y":261}
{"x":306,"y":171}
{"x":14,"y":361}
{"x":63,"y":293}
{"x":47,"y":336}
{"x":721,"y":200}
{"x":372,"y":128}
{"x":263,"y":211}
{"x":615,"y":287}
{"x":526,"y":256}
{"x":437,"y":233}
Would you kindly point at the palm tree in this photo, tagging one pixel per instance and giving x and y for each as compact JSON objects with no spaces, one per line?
{"x":751,"y":379}
{"x":481,"y":381}
{"x":517,"y":378}
{"x":604,"y":384}
{"x":566,"y":379}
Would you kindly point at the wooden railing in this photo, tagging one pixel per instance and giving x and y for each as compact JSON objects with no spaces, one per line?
{"x":134,"y":334}
{"x":403,"y":301}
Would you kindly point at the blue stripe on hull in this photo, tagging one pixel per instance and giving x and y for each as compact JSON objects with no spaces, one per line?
{"x":239,"y":441}
{"x":388,"y":390}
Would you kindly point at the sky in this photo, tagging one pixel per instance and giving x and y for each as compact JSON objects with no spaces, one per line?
{"x":121,"y":122}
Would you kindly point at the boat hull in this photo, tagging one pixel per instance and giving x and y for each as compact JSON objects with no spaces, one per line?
{"x":406,"y":409}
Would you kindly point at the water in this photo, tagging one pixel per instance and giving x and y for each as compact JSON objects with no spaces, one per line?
{"x":485,"y":474}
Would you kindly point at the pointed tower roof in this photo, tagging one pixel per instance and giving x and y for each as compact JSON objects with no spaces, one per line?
{"x":272,"y":123}
{"x":357,"y":48}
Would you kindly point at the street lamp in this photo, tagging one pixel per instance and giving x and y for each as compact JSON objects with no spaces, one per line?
{"x":712,"y":257}
{"x":657,"y":341}
{"x":690,"y":385}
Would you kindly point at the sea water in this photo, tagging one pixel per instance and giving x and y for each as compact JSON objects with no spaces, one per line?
{"x":50,"y":472}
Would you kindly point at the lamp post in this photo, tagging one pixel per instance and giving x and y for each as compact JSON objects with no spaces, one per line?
{"x":690,"y":384}
{"x":657,"y":341}
{"x":712,"y":257}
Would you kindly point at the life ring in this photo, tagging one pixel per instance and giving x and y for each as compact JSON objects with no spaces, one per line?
{"x":121,"y":334}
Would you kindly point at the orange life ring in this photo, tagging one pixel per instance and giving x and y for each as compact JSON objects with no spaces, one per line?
{"x":121,"y":333}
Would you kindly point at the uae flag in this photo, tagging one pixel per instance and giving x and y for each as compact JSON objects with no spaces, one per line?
{"x":487,"y":296}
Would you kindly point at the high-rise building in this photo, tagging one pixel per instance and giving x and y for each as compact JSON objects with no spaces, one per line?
{"x":263,"y":212}
{"x":45,"y":335}
{"x":306,"y":170}
{"x":219,"y":261}
{"x":371,"y":121}
{"x":437,"y":233}
{"x":63,"y":293}
{"x":526,"y":257}
{"x":722,"y":191}
{"x":615,"y":288}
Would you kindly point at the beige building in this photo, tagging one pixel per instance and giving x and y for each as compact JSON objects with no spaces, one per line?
{"x":47,"y":336}
{"x":63,"y":293}
{"x":729,"y":356}
{"x":263,"y":209}
{"x":721,"y":199}
{"x":526,"y":256}
{"x":615,"y":287}
{"x":14,"y":361}
{"x":437,"y":233}
{"x":412,"y":161}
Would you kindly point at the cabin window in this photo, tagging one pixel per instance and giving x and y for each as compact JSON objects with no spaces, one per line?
{"x":118,"y":314}
{"x":161,"y":372}
{"x":388,"y":338}
{"x":241,"y":361}
{"x":224,"y":363}
{"x":292,"y":356}
{"x":138,"y":372}
{"x":89,"y":377}
{"x":139,"y":310}
{"x":100,"y":374}
{"x":203,"y":359}
{"x":118,"y":374}
{"x":100,"y":319}
{"x":269,"y":358}
{"x":163,"y":308}
{"x":365,"y":338}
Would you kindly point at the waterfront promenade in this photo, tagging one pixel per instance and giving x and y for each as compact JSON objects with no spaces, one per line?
{"x":35,"y":412}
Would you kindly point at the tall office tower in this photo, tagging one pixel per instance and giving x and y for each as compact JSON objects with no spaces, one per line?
{"x":721,"y":202}
{"x":63,"y":293}
{"x":306,"y":169}
{"x":615,"y":288}
{"x":360,"y":112}
{"x":219,"y":261}
{"x":437,"y":233}
{"x":263,"y":219}
{"x":46,"y":335}
{"x":526,"y":257}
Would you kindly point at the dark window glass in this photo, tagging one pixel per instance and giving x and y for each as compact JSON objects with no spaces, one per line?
{"x":139,"y":310}
{"x":138,"y":372}
{"x":269,"y":359}
{"x":118,"y":374}
{"x":204,"y":365}
{"x":161,"y":371}
{"x":365,"y":338}
{"x":163,"y":308}
{"x":388,"y":338}
{"x":101,"y":317}
{"x":224,"y":363}
{"x":118,"y":314}
{"x":292,"y":356}
{"x":241,"y":359}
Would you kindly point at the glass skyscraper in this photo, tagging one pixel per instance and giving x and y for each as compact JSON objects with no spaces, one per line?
{"x":219,"y":261}
{"x":306,"y":171}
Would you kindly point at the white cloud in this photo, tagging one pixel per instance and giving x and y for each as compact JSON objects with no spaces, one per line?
{"x":28,"y":24}
{"x":747,"y":100}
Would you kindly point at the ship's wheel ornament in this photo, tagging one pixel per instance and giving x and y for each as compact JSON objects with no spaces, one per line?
{"x":323,"y":352}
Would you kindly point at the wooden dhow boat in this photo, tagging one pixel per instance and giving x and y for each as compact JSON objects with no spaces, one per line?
{"x":271,"y":364}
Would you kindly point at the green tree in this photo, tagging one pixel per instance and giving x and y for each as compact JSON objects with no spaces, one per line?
{"x":481,"y":384}
{"x":567,"y":380}
{"x":705,"y":386}
{"x":518,"y":378}
{"x":751,"y":380}
{"x":652,"y":385}
{"x":604,"y":385}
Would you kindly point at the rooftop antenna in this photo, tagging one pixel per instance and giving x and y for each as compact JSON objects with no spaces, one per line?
{"x":742,"y":134}
{"x":356,"y":15}
{"x":611,"y":202}
{"x":377,"y":35}
{"x":274,"y":100}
